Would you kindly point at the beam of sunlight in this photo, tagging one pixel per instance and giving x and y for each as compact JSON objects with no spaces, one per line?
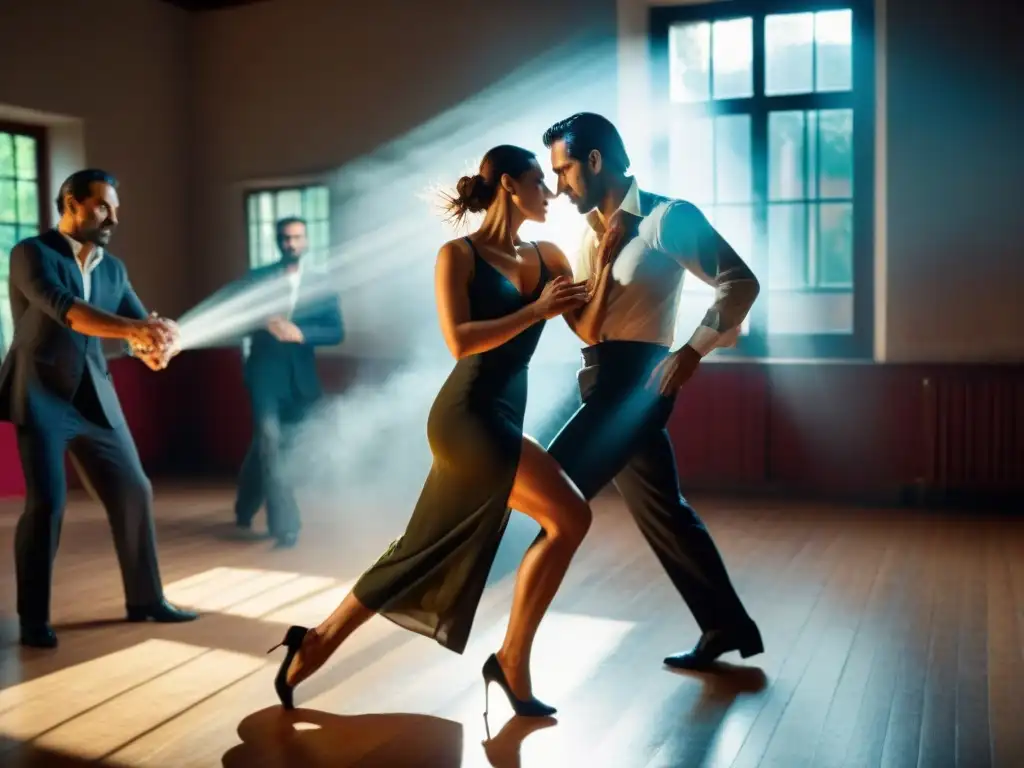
{"x":313,"y":609}
{"x":116,"y":722}
{"x":267,"y":603}
{"x":568,"y":649}
{"x":385,"y":231}
{"x":36,"y":706}
{"x":384,"y":212}
{"x":90,"y":710}
{"x":278,"y":597}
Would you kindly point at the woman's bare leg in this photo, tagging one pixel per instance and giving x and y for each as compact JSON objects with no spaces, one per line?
{"x":542,"y":491}
{"x":323,"y":640}
{"x":546,"y":494}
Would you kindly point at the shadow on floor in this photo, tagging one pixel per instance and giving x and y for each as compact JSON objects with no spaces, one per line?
{"x":308,"y":738}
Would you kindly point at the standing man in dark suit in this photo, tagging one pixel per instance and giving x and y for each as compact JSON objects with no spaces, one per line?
{"x":67,"y":292}
{"x":280,"y":373}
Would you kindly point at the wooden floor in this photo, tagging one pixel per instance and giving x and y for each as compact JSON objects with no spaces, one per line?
{"x":893,"y":639}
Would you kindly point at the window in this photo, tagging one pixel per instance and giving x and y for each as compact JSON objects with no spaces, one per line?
{"x":264,"y":208}
{"x":768,"y":128}
{"x":23,"y":204}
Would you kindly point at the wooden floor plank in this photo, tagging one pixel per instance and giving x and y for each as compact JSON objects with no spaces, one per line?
{"x":892,"y":639}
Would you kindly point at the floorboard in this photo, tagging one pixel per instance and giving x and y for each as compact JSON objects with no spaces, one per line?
{"x":893,"y":639}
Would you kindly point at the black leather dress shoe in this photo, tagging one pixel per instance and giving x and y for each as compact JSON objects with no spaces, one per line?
{"x":716,"y":642}
{"x":162,"y":612}
{"x":38,"y":635}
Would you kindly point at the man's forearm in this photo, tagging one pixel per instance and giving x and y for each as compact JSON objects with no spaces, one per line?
{"x":733,"y":300}
{"x":90,"y":321}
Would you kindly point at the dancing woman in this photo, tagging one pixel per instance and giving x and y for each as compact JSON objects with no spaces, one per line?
{"x":494,"y":293}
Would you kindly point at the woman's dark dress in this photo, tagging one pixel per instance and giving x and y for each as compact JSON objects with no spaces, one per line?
{"x":431,"y":579}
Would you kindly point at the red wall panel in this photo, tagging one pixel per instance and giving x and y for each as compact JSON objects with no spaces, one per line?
{"x":841,"y":430}
{"x":974,"y":431}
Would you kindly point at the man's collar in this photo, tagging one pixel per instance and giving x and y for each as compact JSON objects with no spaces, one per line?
{"x":76,"y":247}
{"x":630,"y":204}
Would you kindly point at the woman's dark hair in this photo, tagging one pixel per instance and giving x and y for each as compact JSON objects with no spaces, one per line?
{"x":476,"y":193}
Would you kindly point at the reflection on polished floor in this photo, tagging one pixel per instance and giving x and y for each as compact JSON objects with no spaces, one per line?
{"x":893,"y":639}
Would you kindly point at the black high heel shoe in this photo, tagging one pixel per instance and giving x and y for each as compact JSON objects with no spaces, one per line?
{"x":293,"y":642}
{"x":531,"y":707}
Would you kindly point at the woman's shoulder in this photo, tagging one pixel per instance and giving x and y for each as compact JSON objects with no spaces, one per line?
{"x":458,"y":249}
{"x":457,"y":255}
{"x":554,"y":257}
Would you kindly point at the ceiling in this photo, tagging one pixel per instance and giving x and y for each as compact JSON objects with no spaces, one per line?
{"x":209,"y":5}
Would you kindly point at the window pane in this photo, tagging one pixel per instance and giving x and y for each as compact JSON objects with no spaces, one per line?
{"x":8,"y":211}
{"x":6,"y":320}
{"x":28,"y":202}
{"x":689,"y":62}
{"x":810,"y":312}
{"x":315,"y":203}
{"x":25,"y":154}
{"x":835,"y":152}
{"x":789,"y":53}
{"x":6,"y":154}
{"x":30,"y":230}
{"x":732,"y":159}
{"x":268,"y":242}
{"x":289,"y":203}
{"x":8,"y":239}
{"x":254,"y":244}
{"x":733,"y":57}
{"x":786,"y":148}
{"x":252,"y":208}
{"x":692,"y":159}
{"x":319,"y":239}
{"x":833,"y":43}
{"x":323,"y":203}
{"x":787,"y":245}
{"x":266,"y":207}
{"x":836,"y":237}
{"x":813,"y":150}
{"x":309,"y":204}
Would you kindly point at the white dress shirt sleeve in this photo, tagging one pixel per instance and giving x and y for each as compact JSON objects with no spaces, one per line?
{"x":687,"y":236}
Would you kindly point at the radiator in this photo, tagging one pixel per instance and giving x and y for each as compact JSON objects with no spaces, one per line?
{"x":974,"y":433}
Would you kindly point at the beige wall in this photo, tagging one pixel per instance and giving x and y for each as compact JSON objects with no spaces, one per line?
{"x":955,"y":168}
{"x":289,"y":88}
{"x":187,"y":109}
{"x":114,"y":77}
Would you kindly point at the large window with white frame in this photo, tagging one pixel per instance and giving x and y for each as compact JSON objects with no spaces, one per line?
{"x":265,"y":207}
{"x":24,"y":203}
{"x":768,"y":110}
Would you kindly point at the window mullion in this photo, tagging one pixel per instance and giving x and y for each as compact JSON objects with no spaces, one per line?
{"x":759,"y":180}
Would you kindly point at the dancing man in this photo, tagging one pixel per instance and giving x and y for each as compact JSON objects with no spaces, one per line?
{"x":67,"y":292}
{"x":634,"y":256}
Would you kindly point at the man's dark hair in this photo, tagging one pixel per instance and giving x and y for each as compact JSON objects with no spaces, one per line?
{"x":78,"y":185}
{"x":287,"y":221}
{"x":583,"y":133}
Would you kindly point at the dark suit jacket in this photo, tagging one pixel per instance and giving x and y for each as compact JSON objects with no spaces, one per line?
{"x":47,"y":361}
{"x":277,"y":371}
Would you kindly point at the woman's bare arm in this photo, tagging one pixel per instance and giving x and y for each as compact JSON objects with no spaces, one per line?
{"x":465,"y":337}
